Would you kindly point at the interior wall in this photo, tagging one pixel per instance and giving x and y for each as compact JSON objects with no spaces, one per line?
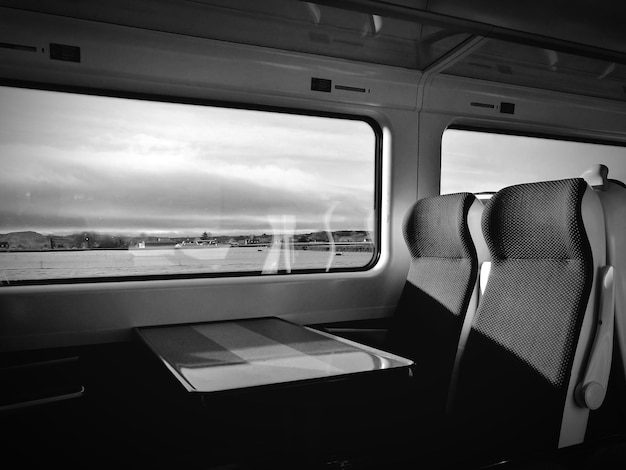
{"x":130,"y":60}
{"x":450,"y":100}
{"x":125,"y":59}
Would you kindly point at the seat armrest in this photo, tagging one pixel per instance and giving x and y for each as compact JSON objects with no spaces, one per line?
{"x":591,"y":391}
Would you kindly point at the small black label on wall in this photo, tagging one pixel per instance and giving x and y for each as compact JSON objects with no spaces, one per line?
{"x":351,"y":88}
{"x":321,"y":84}
{"x":66,"y":53}
{"x":507,"y":108}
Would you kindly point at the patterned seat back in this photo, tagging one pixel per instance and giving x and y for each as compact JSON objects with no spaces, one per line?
{"x":533,"y":330}
{"x":440,"y":289}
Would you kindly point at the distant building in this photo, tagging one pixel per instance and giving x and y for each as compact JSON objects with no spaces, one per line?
{"x":258,"y":240}
{"x":158,"y":242}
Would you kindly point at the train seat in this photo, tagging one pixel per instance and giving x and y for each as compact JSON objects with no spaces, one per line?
{"x":446,"y":247}
{"x":612,"y":194}
{"x":533,"y":364}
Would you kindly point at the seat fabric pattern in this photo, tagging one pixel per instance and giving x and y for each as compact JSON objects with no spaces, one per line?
{"x":432,"y":306}
{"x":518,"y":358}
{"x":443,"y":257}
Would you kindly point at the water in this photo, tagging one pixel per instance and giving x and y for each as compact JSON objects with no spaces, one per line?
{"x":15,"y":266}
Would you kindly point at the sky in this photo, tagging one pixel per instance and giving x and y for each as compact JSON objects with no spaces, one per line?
{"x":73,"y":162}
{"x":482,"y":161}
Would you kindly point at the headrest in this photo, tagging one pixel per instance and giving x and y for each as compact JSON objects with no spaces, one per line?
{"x":537,"y":221}
{"x":437,"y":227}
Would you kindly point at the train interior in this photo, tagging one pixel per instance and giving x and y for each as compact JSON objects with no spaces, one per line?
{"x":432,"y":80}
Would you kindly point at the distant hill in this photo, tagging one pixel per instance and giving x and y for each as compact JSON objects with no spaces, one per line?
{"x":25,"y":241}
{"x":33,"y":241}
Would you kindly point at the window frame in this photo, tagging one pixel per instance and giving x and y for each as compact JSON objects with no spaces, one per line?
{"x":186,"y":100}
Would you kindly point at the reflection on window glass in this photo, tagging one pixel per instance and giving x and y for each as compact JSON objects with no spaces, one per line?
{"x":487,"y":162}
{"x":101,"y":187}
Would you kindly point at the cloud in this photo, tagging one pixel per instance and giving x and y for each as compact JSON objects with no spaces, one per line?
{"x":126,"y":166}
{"x":481,"y":161}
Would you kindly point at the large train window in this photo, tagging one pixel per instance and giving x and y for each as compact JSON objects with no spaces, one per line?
{"x":483,"y":162}
{"x":100,"y":187}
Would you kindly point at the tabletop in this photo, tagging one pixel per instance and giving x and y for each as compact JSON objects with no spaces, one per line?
{"x":229,"y":355}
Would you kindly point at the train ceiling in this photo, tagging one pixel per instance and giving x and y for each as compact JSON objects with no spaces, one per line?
{"x":575,"y":46}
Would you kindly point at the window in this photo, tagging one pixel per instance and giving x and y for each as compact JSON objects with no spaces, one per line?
{"x":483,"y":162}
{"x":100,"y":187}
